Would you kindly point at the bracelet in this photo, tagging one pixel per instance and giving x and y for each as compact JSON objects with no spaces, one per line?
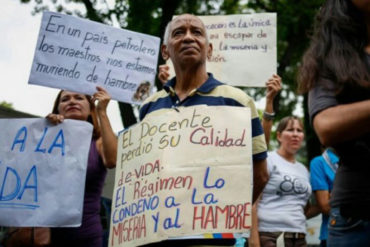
{"x":269,"y":116}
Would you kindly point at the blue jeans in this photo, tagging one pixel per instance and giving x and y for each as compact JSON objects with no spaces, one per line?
{"x":347,"y":231}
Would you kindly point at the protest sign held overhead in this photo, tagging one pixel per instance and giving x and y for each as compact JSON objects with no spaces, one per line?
{"x":77,"y":55}
{"x":42,"y":172}
{"x":244,"y":48}
{"x":183,"y":173}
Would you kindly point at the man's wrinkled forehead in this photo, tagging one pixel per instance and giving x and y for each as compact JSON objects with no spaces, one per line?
{"x":187,"y":19}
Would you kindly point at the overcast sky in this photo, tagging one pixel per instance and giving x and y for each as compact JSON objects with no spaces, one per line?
{"x":19,"y":31}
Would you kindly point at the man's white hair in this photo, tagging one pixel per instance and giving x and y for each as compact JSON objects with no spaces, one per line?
{"x":167,"y":31}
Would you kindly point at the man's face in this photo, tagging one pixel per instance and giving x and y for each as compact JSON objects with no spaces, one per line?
{"x":187,"y":42}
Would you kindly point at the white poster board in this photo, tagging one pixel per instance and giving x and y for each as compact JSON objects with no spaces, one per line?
{"x":244,"y":48}
{"x":77,"y":55}
{"x":183,"y":173}
{"x":42,"y":172}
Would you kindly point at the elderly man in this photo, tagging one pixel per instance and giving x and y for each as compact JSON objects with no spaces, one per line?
{"x":186,"y":43}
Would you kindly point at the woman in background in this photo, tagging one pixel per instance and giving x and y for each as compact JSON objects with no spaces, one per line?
{"x":102,"y":155}
{"x":284,"y":201}
{"x":283,"y":205}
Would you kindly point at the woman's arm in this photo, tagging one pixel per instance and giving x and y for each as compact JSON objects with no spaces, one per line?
{"x":311,"y":211}
{"x":254,"y":238}
{"x":342,"y":123}
{"x":107,"y":143}
{"x":273,"y":86}
{"x":55,"y":118}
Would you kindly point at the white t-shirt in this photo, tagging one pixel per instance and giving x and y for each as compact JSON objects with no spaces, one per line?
{"x":281,"y":208}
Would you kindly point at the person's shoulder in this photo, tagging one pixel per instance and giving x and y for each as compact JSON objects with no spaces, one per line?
{"x":316,"y":161}
{"x":155,"y":96}
{"x":152,"y":103}
{"x":235,"y":93}
{"x":272,"y":155}
{"x":273,"y":161}
{"x":321,"y":97}
{"x":303,"y":168}
{"x":333,"y":157}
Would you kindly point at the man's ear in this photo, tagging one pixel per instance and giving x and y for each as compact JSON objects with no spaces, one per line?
{"x":209,"y":51}
{"x":164,"y":52}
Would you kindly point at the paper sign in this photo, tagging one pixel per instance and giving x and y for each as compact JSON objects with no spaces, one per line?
{"x":182,"y":173}
{"x":42,"y":172}
{"x":244,"y":48}
{"x":77,"y":55}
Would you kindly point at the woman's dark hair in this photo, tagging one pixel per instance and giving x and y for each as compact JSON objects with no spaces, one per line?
{"x":91,"y":118}
{"x":336,"y":52}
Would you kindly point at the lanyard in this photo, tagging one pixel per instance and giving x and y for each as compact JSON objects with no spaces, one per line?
{"x":334,"y":167}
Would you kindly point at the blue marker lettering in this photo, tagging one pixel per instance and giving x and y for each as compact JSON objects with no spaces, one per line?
{"x":17,"y":139}
{"x":170,"y":202}
{"x":40,"y":142}
{"x":210,"y":199}
{"x":33,"y":173}
{"x":59,"y":145}
{"x":156,"y":219}
{"x":219,"y":182}
{"x":193,"y":197}
{"x":12,"y":195}
{"x":167,"y":224}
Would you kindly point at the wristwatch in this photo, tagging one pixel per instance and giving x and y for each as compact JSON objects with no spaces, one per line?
{"x":269,"y":116}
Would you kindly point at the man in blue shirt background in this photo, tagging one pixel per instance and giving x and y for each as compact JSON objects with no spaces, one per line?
{"x":323,"y":170}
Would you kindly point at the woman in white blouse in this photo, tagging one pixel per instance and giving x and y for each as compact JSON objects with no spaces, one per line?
{"x":284,"y":203}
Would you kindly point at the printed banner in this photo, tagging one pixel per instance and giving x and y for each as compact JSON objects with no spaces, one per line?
{"x":244,"y":48}
{"x":77,"y":55}
{"x":183,"y":172}
{"x":42,"y":172}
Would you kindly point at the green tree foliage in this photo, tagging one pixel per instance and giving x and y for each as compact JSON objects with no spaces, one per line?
{"x":294,"y":22}
{"x":6,"y":105}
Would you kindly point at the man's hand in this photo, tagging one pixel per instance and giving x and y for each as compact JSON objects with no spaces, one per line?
{"x":163,"y":74}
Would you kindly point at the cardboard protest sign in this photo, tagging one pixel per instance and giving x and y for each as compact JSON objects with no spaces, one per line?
{"x":77,"y":55}
{"x":42,"y":172}
{"x":183,"y":173}
{"x":244,"y":48}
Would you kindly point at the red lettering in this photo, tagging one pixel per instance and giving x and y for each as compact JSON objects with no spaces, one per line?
{"x":210,"y":218}
{"x":140,"y":172}
{"x":117,"y":231}
{"x":223,"y":211}
{"x":232,"y":220}
{"x":137,"y":190}
{"x":196,"y":218}
{"x":246,"y":215}
{"x":235,"y":216}
{"x":239,"y":220}
{"x":130,"y":229}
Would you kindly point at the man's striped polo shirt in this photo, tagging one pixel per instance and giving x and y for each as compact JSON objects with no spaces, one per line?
{"x":211,"y":93}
